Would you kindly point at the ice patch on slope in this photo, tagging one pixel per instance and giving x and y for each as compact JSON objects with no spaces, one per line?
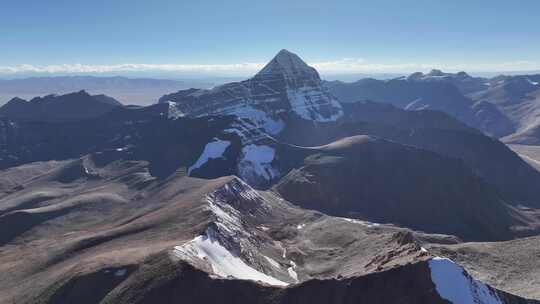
{"x":454,"y":284}
{"x":292,"y":271}
{"x":224,"y":263}
{"x":245,"y":111}
{"x":256,"y":163}
{"x":261,"y":119}
{"x":308,"y":102}
{"x":272,"y":262}
{"x":245,"y":132}
{"x":212,"y":150}
{"x":173,"y":111}
{"x":363,"y":223}
{"x":416,"y":105}
{"x":228,"y":248}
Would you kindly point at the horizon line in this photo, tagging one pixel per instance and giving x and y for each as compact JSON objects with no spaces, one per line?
{"x":343,"y":66}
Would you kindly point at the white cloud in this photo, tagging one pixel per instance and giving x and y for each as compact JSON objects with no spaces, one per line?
{"x":358,"y":65}
{"x":129,"y":67}
{"x":345,"y":65}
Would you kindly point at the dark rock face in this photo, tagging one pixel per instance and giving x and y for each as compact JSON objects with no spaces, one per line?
{"x":286,"y":86}
{"x":488,"y":158}
{"x":410,"y":284}
{"x":138,"y":133}
{"x":380,"y":181}
{"x":386,"y":114}
{"x":180,"y":283}
{"x":51,"y":108}
{"x":89,"y":288}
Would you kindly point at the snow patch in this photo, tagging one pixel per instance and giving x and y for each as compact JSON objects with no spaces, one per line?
{"x":363,"y":223}
{"x":246,"y":131}
{"x":264,"y":228}
{"x":223,"y":262}
{"x":299,"y":227}
{"x":272,"y":262}
{"x":256,"y":163}
{"x":528,"y":158}
{"x":120,"y":272}
{"x":212,"y":150}
{"x":284,"y":253}
{"x":308,"y":103}
{"x":228,"y":248}
{"x":292,"y":271}
{"x":173,"y":111}
{"x":532,"y":82}
{"x":260,"y":118}
{"x":416,"y":105}
{"x":454,"y":284}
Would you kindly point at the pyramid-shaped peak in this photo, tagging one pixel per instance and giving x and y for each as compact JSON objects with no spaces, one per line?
{"x":284,"y":54}
{"x":288,"y":64}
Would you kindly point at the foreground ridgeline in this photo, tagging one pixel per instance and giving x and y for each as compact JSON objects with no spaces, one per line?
{"x":269,"y":190}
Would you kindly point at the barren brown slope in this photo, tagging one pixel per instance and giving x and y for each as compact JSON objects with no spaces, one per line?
{"x":489,"y":158}
{"x":111,"y":228}
{"x":381,"y":181}
{"x":114,"y":215}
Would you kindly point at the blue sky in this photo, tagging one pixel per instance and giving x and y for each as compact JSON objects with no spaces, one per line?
{"x":221,"y":36}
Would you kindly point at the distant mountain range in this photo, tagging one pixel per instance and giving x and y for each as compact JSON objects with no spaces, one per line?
{"x":139,"y":91}
{"x":505,"y":107}
{"x":69,"y":107}
{"x":502,"y":106}
{"x":277,"y":189}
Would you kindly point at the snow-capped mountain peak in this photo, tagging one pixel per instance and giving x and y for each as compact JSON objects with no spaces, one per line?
{"x":285,"y":88}
{"x":289,"y":65}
